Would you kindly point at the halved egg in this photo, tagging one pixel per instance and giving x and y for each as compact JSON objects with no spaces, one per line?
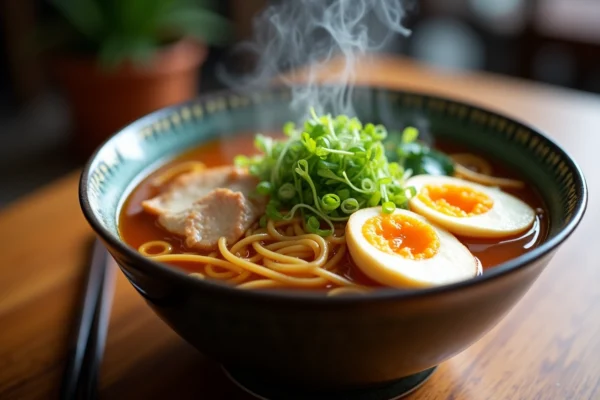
{"x":469,"y":209}
{"x":404,"y":250}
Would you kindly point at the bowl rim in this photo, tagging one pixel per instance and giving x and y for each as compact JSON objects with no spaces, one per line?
{"x":382,"y":294}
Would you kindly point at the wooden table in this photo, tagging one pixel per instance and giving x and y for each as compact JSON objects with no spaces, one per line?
{"x":548,"y":347}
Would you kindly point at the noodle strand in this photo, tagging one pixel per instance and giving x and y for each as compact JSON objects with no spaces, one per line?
{"x":282,"y":254}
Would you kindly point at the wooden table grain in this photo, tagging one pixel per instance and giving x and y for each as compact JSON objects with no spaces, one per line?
{"x":547,"y":347}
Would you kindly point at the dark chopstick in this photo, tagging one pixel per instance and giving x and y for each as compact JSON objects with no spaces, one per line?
{"x":87,"y":346}
{"x":97,"y":340}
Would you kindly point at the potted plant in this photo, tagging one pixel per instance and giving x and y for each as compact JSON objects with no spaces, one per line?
{"x":117,"y":60}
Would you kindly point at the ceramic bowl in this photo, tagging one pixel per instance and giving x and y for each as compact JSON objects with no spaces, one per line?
{"x":308,"y":339}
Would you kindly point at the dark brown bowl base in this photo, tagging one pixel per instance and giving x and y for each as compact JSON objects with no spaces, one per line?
{"x":264,"y":388}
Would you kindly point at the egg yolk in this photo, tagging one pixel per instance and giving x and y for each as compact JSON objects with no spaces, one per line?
{"x":455,"y":201}
{"x":401,"y":235}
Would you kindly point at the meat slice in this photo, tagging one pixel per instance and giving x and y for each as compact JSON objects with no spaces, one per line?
{"x":221,"y":213}
{"x":204,"y":206}
{"x":191,"y":187}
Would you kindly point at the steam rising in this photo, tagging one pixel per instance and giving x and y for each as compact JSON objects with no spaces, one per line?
{"x":299,"y":33}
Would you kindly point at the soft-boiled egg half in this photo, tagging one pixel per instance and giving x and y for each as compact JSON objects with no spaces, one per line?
{"x":469,"y":209}
{"x":404,"y":250}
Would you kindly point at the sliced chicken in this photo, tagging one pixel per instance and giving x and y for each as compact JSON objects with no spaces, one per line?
{"x":204,"y":206}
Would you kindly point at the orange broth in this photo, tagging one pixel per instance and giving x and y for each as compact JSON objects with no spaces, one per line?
{"x":137,"y":227}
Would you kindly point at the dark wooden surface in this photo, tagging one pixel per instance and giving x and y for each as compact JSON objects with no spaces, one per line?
{"x":548,"y":346}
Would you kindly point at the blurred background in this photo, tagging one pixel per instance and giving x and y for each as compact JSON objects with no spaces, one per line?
{"x":66,"y":78}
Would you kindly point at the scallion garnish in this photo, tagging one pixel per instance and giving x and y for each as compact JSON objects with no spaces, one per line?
{"x":328,"y":168}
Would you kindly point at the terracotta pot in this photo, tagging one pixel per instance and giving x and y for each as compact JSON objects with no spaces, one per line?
{"x":102,"y":101}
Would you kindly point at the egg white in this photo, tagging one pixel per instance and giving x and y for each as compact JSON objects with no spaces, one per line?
{"x":453,"y":262}
{"x":508,"y":215}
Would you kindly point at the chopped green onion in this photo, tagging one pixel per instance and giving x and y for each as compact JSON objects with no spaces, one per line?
{"x":343,"y":194}
{"x":330,"y":202}
{"x":375,"y":199}
{"x":367,"y":185}
{"x":289,"y":129}
{"x":263,"y":221}
{"x":330,"y":167}
{"x":350,"y":205}
{"x":264,"y":188}
{"x":273,"y":212}
{"x":409,"y":134}
{"x":307,"y":196}
{"x":241,"y":161}
{"x":263,"y":143}
{"x":379,"y":133}
{"x":388,"y":207}
{"x":323,"y":165}
{"x":314,"y":226}
{"x":286,"y":191}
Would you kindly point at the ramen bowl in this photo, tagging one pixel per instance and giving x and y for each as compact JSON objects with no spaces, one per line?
{"x":307,"y":339}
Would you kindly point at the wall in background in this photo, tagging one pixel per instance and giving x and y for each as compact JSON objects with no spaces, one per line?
{"x":551,"y":41}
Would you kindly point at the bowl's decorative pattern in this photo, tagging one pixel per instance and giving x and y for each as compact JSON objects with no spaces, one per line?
{"x":558,"y":180}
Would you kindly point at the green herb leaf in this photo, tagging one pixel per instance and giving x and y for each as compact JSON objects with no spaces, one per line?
{"x":409,"y":134}
{"x":410,"y":154}
{"x":430,"y":162}
{"x":333,"y":167}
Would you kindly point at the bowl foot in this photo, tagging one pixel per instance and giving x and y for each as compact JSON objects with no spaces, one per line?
{"x":266,"y":389}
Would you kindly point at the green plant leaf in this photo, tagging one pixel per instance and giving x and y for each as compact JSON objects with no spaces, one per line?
{"x":84,"y":15}
{"x":141,"y":17}
{"x":204,"y":25}
{"x":119,"y":49}
{"x":133,"y":29}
